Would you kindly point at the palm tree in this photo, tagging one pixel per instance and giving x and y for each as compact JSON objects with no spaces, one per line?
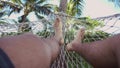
{"x":40,"y":7}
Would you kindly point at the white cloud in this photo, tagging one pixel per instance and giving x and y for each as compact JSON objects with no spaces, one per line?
{"x":55,"y":2}
{"x":98,"y":8}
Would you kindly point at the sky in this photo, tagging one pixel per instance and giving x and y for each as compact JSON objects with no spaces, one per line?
{"x":92,"y":8}
{"x":100,"y":8}
{"x":97,"y":8}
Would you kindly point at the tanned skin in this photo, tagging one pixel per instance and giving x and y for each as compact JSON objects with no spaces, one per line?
{"x":100,"y":54}
{"x":30,"y":51}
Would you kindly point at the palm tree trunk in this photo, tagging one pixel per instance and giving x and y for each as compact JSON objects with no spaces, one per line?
{"x":24,"y":27}
{"x":63,"y":6}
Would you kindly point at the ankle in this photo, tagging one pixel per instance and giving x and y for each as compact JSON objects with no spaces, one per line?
{"x":73,"y":45}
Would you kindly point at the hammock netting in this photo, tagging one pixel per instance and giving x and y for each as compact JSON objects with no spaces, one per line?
{"x":95,"y":29}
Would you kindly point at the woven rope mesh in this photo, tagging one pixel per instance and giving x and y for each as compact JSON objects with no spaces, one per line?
{"x":96,"y":29}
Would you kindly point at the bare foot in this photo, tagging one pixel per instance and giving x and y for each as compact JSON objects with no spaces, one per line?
{"x":58,"y":31}
{"x":78,"y":39}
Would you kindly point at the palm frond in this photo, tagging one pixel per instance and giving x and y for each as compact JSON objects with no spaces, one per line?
{"x":79,"y":6}
{"x":51,"y":7}
{"x":42,"y":9}
{"x":27,"y":6}
{"x":40,"y":1}
{"x":19,"y":2}
{"x":13,"y":6}
{"x":116,"y":2}
{"x":74,"y":7}
{"x":38,"y":15}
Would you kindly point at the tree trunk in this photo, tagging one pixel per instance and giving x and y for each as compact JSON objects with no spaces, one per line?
{"x":63,"y":6}
{"x":23,"y":26}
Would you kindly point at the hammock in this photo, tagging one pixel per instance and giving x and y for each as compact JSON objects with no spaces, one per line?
{"x":96,"y":29}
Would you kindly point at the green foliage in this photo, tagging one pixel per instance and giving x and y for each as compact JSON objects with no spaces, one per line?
{"x":7,"y":8}
{"x":2,"y":22}
{"x":69,"y":35}
{"x":76,"y":61}
{"x":9,"y":34}
{"x":40,"y":7}
{"x":44,"y":34}
{"x":17,"y":2}
{"x":74,"y":7}
{"x":90,"y":24}
{"x":95,"y":36}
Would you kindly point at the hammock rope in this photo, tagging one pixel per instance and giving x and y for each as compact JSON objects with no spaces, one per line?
{"x":43,"y":27}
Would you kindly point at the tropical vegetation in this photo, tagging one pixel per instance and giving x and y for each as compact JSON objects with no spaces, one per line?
{"x":41,"y":8}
